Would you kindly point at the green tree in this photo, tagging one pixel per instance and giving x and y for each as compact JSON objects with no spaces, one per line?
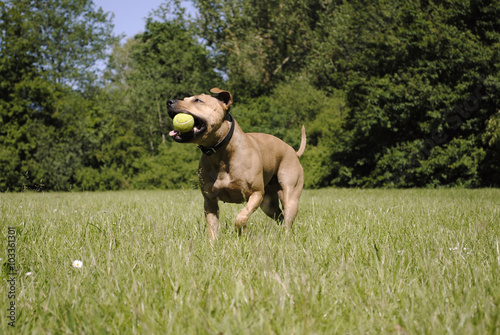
{"x":49,"y":52}
{"x":258,"y":43}
{"x":421,"y":82}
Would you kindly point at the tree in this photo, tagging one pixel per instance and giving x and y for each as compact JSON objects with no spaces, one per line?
{"x":258,"y":43}
{"x":49,"y":52}
{"x":421,"y":81}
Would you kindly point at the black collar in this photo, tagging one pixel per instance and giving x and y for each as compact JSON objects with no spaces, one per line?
{"x":225,"y":140}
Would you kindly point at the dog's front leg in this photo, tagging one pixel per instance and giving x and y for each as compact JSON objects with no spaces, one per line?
{"x":253,"y":203}
{"x":212,"y":216}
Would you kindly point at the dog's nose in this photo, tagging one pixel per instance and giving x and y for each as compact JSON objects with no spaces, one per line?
{"x":171,"y":102}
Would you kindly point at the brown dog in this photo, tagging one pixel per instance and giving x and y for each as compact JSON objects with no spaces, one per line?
{"x":236,"y":167}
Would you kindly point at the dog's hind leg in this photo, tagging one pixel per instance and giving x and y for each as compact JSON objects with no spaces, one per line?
{"x":290,"y":201}
{"x":271,"y":204}
{"x":289,"y":195}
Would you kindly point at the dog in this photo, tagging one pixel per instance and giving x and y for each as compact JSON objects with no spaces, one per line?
{"x":238,"y":167}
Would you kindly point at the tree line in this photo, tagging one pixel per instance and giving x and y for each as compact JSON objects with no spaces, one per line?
{"x":392,"y":94}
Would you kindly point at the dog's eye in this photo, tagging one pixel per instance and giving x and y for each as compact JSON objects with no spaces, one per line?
{"x":197,"y":100}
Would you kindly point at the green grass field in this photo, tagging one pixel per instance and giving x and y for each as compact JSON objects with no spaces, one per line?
{"x":357,"y":262}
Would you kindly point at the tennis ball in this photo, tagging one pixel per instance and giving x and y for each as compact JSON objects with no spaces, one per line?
{"x":183,"y":123}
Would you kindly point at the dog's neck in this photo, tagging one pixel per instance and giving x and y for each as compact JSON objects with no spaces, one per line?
{"x":208,"y":151}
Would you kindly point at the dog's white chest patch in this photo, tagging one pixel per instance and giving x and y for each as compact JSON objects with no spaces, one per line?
{"x":228,"y":190}
{"x":223,"y":181}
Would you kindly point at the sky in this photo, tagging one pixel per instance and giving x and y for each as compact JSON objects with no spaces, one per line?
{"x":130,"y":15}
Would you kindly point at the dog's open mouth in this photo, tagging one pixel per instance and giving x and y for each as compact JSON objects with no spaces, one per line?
{"x":199,"y":128}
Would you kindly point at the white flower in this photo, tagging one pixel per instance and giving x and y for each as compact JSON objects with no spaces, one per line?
{"x":77,"y":263}
{"x":29,"y":273}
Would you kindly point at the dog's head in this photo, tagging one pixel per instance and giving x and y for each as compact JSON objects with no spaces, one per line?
{"x":209,"y":113}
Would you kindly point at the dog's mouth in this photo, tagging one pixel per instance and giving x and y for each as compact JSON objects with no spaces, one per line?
{"x":200,"y":126}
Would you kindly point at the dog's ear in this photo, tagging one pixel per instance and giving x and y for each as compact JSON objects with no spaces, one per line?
{"x":223,"y":96}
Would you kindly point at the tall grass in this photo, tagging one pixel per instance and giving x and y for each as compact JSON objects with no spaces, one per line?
{"x":357,"y":262}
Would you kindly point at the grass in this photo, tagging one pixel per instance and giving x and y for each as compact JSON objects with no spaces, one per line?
{"x":357,"y":262}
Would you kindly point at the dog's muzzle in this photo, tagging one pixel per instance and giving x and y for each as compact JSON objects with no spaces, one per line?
{"x":200,"y":126}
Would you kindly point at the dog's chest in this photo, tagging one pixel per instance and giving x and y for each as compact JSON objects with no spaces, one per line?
{"x":228,"y":190}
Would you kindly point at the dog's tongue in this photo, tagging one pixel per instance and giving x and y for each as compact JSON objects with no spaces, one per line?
{"x":174,"y":132}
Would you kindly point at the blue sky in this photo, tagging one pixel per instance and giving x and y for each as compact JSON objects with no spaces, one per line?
{"x":130,"y":15}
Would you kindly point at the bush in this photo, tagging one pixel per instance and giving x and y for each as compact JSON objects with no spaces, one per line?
{"x":414,"y":164}
{"x":174,"y":166}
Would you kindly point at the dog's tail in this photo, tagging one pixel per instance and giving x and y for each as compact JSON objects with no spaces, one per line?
{"x":302,"y":142}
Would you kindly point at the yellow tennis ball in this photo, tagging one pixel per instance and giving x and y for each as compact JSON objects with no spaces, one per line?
{"x":183,"y":122}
